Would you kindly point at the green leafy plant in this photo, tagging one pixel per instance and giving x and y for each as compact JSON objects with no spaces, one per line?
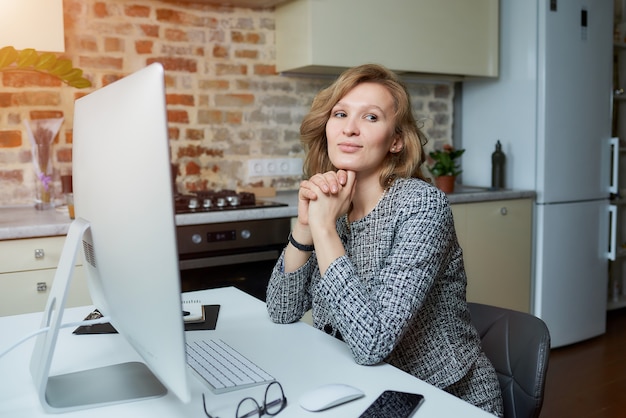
{"x":443,"y":162}
{"x":45,"y":62}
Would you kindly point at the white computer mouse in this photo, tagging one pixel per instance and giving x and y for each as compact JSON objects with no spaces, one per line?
{"x":327,"y":396}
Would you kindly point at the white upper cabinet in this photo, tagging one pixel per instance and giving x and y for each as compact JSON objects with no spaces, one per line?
{"x":440,"y":37}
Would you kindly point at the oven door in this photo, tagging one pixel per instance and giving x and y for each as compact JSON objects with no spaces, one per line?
{"x":249,"y":271}
{"x":240,"y":254}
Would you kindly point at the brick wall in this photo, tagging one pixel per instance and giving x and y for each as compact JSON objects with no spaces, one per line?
{"x":226,"y":103}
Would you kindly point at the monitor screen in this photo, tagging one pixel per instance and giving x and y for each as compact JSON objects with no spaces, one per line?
{"x":124,"y":201}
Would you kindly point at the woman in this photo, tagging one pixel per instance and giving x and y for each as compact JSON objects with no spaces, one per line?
{"x":374,"y":252}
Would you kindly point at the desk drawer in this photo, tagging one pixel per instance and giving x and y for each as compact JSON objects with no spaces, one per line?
{"x":22,"y":292}
{"x":31,"y":254}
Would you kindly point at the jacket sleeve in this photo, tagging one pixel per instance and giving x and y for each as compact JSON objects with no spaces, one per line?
{"x":288,"y":297}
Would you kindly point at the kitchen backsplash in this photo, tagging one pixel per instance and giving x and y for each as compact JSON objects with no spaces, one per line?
{"x":226,"y":103}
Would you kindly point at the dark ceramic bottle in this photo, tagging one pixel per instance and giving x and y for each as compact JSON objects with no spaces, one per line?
{"x":498,"y":160}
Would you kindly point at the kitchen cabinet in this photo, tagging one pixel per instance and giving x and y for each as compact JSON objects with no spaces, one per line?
{"x":27,"y":269}
{"x":443,"y":37}
{"x":252,"y":4}
{"x":496,"y":240}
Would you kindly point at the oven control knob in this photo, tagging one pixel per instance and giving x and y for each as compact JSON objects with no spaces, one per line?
{"x":221,"y":202}
{"x":196,"y":238}
{"x":245,"y":234}
{"x":233,"y":200}
{"x":207,"y":203}
{"x":193,"y":203}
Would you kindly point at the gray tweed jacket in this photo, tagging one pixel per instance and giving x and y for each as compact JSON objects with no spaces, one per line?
{"x":398,"y":295}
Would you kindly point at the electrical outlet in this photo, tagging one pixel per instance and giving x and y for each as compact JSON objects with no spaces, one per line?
{"x":275,"y":167}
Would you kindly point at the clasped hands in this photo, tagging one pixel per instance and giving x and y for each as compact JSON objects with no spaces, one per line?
{"x":324,"y":197}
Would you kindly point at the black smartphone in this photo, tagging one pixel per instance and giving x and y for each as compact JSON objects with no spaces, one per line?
{"x":394,"y":404}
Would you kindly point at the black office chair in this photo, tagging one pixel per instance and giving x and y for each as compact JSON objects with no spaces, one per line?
{"x":518,"y":345}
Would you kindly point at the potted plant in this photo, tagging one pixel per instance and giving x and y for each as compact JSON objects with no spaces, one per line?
{"x":444,"y":166}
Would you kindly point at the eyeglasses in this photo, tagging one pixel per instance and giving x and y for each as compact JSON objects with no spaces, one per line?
{"x":273,"y":402}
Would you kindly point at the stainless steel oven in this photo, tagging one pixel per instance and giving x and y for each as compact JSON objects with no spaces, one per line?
{"x":240,"y":254}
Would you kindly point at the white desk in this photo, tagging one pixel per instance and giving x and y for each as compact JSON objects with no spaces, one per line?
{"x":297,"y":355}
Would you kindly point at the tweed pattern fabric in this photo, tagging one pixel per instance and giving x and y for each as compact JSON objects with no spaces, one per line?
{"x":398,"y":295}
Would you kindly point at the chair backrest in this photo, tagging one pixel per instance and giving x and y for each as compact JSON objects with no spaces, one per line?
{"x":518,"y":346}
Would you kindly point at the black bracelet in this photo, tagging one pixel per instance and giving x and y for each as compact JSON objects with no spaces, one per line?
{"x":299,"y":246}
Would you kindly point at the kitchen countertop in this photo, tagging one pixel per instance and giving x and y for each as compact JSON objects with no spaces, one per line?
{"x":18,"y":222}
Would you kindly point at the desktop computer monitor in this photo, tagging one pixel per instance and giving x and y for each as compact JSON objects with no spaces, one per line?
{"x":125,"y":226}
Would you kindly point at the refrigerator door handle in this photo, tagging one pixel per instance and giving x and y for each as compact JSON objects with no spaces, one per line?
{"x":613,"y":231}
{"x":614,"y":145}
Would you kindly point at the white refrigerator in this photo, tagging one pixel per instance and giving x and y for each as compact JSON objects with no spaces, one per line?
{"x":551,"y":110}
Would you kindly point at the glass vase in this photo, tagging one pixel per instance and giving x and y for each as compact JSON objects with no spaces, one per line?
{"x":41,"y":134}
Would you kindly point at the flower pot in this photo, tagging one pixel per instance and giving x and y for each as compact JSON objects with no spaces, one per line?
{"x":445,"y":183}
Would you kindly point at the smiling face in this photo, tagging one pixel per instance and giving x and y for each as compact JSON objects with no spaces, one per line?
{"x":360,"y":130}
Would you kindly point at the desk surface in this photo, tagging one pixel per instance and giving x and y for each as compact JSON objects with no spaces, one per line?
{"x":297,"y":355}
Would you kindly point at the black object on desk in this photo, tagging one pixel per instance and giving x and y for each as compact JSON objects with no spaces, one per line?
{"x":211,"y":313}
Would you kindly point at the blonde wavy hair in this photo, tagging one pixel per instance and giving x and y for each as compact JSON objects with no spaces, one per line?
{"x":406,"y":163}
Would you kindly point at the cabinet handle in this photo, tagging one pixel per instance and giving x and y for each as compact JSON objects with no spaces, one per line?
{"x":39,"y":253}
{"x":503,"y":211}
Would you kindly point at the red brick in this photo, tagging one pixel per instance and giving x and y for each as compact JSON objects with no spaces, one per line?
{"x":192,"y":168}
{"x":220,"y":51}
{"x":14,"y":118}
{"x":170,"y":80}
{"x":194,"y":134}
{"x":180,"y":99}
{"x":173,"y":133}
{"x":176,"y":35}
{"x":10,"y":139}
{"x":45,"y":114}
{"x":189,"y":151}
{"x":109,"y":63}
{"x":181,"y":18}
{"x":144,"y":47}
{"x":137,"y":11}
{"x":16,"y":176}
{"x":234,"y":118}
{"x":248,"y":38}
{"x":197,"y":185}
{"x":69,"y":136}
{"x":20,"y":79}
{"x":64,"y":155}
{"x":150,"y":30}
{"x":110,"y":78}
{"x":113,"y":45}
{"x":87,"y":44}
{"x":37,"y":98}
{"x":231,"y":69}
{"x":261,"y":69}
{"x":100,"y":10}
{"x":6,"y":99}
{"x":213,"y":152}
{"x":177,"y":116}
{"x":195,"y":151}
{"x":80,"y":94}
{"x":176,"y":64}
{"x":123,"y":28}
{"x":234,"y":99}
{"x":247,"y":53}
{"x":210,"y":116}
{"x":215,"y":84}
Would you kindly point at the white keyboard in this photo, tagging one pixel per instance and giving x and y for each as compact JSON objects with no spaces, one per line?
{"x":222,"y":367}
